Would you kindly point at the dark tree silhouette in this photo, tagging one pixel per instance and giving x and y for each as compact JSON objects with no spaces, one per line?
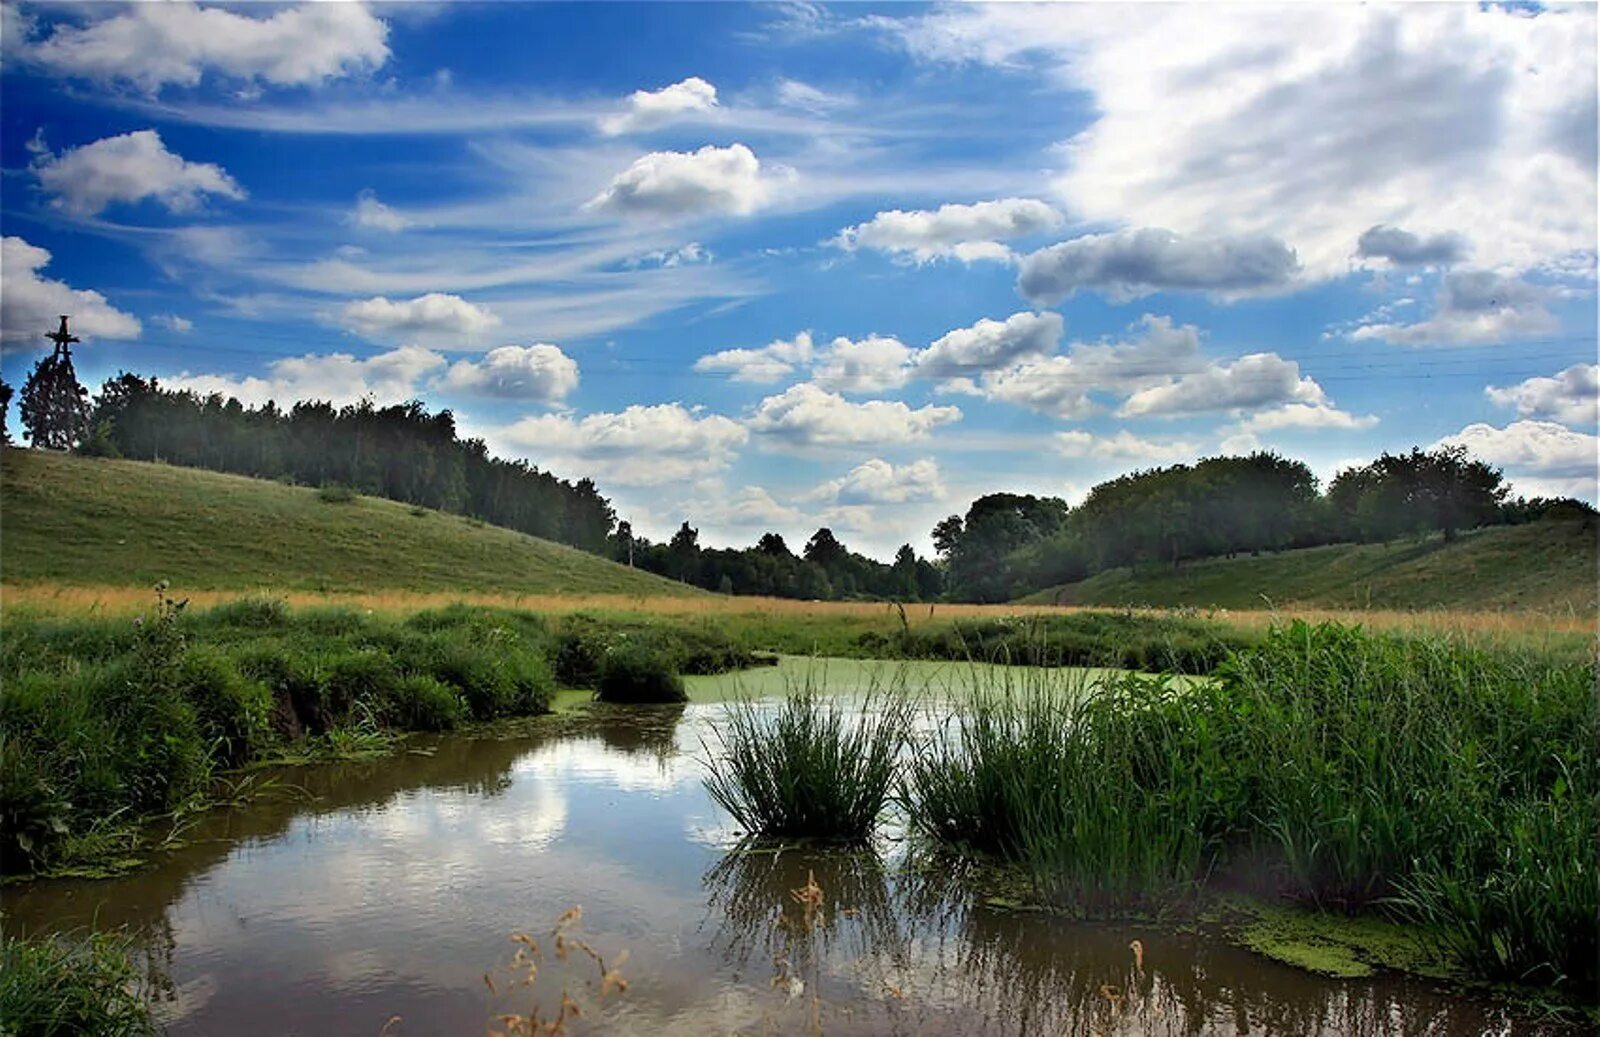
{"x":5,"y":409}
{"x":55,"y":408}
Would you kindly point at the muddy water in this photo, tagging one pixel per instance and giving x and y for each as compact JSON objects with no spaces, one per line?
{"x":392,"y":888}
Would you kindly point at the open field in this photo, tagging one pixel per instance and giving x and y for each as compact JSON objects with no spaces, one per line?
{"x":1545,"y":567}
{"x":88,"y":521}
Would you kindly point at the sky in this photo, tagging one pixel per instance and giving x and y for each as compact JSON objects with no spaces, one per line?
{"x":776,"y":266}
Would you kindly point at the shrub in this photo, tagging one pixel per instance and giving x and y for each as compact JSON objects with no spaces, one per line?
{"x":51,"y":987}
{"x":33,"y":815}
{"x":810,"y":767}
{"x":634,"y":673}
{"x":335,"y":493}
{"x":257,"y":612}
{"x":233,"y":711}
{"x":421,"y":703}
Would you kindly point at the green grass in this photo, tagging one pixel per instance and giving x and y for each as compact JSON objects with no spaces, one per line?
{"x":91,"y":521}
{"x":1546,"y":566}
{"x":62,"y":988}
{"x":810,"y":766}
{"x":1419,"y":778}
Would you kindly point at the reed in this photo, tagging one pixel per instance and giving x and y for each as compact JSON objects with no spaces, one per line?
{"x":810,"y":766}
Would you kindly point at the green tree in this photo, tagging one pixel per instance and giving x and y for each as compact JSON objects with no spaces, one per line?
{"x":55,"y":407}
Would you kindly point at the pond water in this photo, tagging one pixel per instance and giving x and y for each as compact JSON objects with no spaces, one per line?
{"x":392,"y":888}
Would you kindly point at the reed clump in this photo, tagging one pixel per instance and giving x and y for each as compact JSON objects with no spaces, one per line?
{"x":811,"y":765}
{"x":1417,"y":777}
{"x":66,"y":985}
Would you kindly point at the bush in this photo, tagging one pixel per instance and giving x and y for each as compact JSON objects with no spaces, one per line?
{"x":233,"y":711}
{"x":812,"y":768}
{"x":335,"y":493}
{"x":33,"y":815}
{"x":421,"y":703}
{"x":56,"y":988}
{"x":635,"y":674}
{"x":258,"y":612}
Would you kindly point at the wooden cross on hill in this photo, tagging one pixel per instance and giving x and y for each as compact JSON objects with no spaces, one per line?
{"x":62,"y":338}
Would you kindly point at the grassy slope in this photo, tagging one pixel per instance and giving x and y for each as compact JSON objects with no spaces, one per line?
{"x":1543,"y":565}
{"x":89,"y":521}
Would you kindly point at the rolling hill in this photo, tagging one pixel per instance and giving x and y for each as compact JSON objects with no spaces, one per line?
{"x":1546,"y":566}
{"x":90,"y":521}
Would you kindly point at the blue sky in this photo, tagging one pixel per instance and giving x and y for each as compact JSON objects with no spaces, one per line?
{"x":777,"y":266}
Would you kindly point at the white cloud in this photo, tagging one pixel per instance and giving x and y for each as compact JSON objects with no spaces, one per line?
{"x":965,"y":232}
{"x":539,"y":372}
{"x":873,"y":364}
{"x":1130,"y":264}
{"x":1540,"y":458}
{"x":173,"y":322}
{"x":1318,"y":126}
{"x":1304,"y":415}
{"x":640,"y":446}
{"x":1122,"y":446}
{"x":1473,"y":306}
{"x":31,"y":305}
{"x":1250,"y":382}
{"x":794,"y":94}
{"x":156,"y":44}
{"x":1572,"y":397}
{"x":806,"y":415}
{"x":692,"y":183}
{"x":990,"y":344}
{"x":130,"y":168}
{"x":879,"y":482}
{"x":1152,"y":351}
{"x":371,"y":214}
{"x":762,"y":366}
{"x":667,"y":258}
{"x":651,"y":109}
{"x":434,"y":318}
{"x":340,"y":378}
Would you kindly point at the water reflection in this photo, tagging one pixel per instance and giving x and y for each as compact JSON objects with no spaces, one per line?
{"x":391,"y":887}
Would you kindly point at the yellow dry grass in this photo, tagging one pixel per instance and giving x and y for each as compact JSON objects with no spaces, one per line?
{"x":72,"y":600}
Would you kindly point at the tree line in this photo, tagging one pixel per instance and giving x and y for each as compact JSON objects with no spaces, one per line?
{"x":1008,"y":545}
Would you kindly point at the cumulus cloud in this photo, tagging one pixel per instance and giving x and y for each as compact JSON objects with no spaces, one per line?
{"x":770,"y":363}
{"x":130,"y":168}
{"x":1130,"y":264}
{"x":371,"y":214}
{"x":1473,"y":306}
{"x":1251,"y":382}
{"x":879,"y":482}
{"x":173,"y":322}
{"x":539,"y":372}
{"x":990,"y":344}
{"x":31,"y":305}
{"x":652,"y":109}
{"x":1571,"y":397}
{"x":807,"y":415}
{"x":1304,"y":415}
{"x":965,"y":232}
{"x":1317,"y":127}
{"x":639,"y":446}
{"x":390,"y":377}
{"x":1541,"y":458}
{"x":160,"y":44}
{"x":1152,"y":351}
{"x":1122,"y":446}
{"x":874,"y":364}
{"x":687,"y":183}
{"x":434,"y":318}
{"x":1403,"y":248}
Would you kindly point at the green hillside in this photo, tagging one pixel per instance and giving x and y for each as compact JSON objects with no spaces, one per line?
{"x":1542,"y":565}
{"x":78,"y":520}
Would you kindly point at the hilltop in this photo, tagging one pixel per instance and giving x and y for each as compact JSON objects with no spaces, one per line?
{"x":1547,"y":566}
{"x":77,"y":520}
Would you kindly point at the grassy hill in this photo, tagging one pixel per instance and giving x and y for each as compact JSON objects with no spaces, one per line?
{"x":76,"y":520}
{"x":1543,"y":566}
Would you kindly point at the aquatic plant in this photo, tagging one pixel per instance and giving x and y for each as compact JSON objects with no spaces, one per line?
{"x":810,"y":766}
{"x":53,"y":987}
{"x":633,"y":673}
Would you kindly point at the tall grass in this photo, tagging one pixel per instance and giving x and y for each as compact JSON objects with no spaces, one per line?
{"x":1418,"y":777}
{"x":60,"y":987}
{"x":812,"y":766}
